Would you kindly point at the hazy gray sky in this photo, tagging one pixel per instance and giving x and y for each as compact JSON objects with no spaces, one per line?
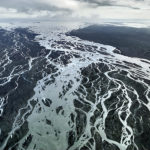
{"x":75,"y":9}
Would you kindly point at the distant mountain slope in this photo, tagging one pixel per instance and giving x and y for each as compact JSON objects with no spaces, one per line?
{"x":134,"y":42}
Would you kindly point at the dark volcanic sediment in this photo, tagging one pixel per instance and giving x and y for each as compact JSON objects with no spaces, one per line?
{"x":75,"y":95}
